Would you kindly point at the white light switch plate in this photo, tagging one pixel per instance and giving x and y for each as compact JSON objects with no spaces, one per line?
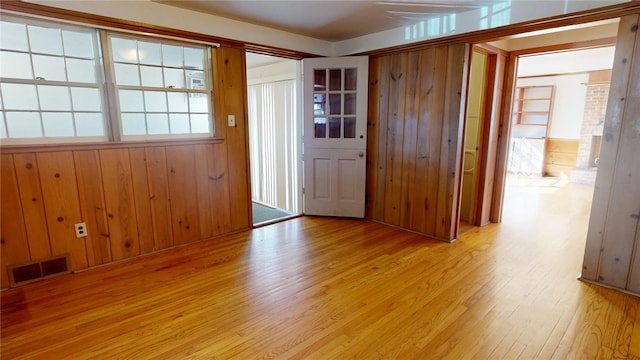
{"x":231,"y":119}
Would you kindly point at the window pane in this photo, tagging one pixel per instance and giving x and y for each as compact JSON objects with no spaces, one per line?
{"x":319,"y":104}
{"x":49,"y":67}
{"x":349,"y":104}
{"x":131,"y":100}
{"x":3,"y":129}
{"x":179,"y":123}
{"x":57,"y":124}
{"x":19,"y":96}
{"x":157,"y":124}
{"x":45,"y":40}
{"x":174,"y":78}
{"x":200,"y":123}
{"x":149,"y":53}
{"x":350,"y":128}
{"x":23,"y":124}
{"x":85,"y":99}
{"x":334,"y":127}
{"x":54,"y":97}
{"x":151,"y":76}
{"x":198,"y":103}
{"x":15,"y":65}
{"x":155,"y":101}
{"x":335,"y":79}
{"x":127,"y":74}
{"x":334,"y":104}
{"x":78,"y":44}
{"x":177,"y":102}
{"x":350,"y":79}
{"x":124,"y":50}
{"x":81,"y":70}
{"x":89,"y":124}
{"x":133,"y":124}
{"x":320,"y":125}
{"x":193,"y":58}
{"x":320,"y":80}
{"x":196,"y":80}
{"x":13,"y":36}
{"x":172,"y":55}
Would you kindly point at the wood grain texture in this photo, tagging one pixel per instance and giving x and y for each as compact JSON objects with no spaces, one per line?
{"x":62,"y":206}
{"x":322,"y":288}
{"x":140,"y":182}
{"x":415,"y":127}
{"x":15,"y":247}
{"x":159,"y":197}
{"x":183,"y":193}
{"x":120,"y":203}
{"x":615,"y":217}
{"x":35,"y":219}
{"x":93,"y":207}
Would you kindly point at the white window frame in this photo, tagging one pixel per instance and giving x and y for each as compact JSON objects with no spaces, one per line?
{"x":106,"y":84}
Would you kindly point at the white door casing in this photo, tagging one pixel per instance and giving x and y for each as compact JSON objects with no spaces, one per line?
{"x":335,"y":94}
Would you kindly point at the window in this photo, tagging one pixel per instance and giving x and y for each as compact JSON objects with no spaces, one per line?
{"x":50,"y":84}
{"x":54,"y":85}
{"x":162,"y":87}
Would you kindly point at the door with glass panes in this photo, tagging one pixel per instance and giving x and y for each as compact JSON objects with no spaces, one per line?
{"x":335,"y":135}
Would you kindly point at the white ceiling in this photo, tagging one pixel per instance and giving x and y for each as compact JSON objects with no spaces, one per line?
{"x":328,"y":19}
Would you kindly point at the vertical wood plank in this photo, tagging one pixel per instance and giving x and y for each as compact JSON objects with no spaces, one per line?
{"x":182,"y":192}
{"x":13,"y":235}
{"x":219,"y":188}
{"x":62,"y":205}
{"x":373,"y":108}
{"x":202,"y":189}
{"x":231,"y":72}
{"x":409,"y":144}
{"x":26,"y":167}
{"x":449,"y":183}
{"x":395,"y":137}
{"x":634,"y":272}
{"x":624,"y":212}
{"x":159,"y":197}
{"x":620,"y":78}
{"x":380,"y":123}
{"x":94,"y":214}
{"x":120,"y":203}
{"x":433,"y":61}
{"x":141,"y":196}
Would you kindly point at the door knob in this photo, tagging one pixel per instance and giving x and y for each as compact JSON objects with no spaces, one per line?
{"x":360,"y":154}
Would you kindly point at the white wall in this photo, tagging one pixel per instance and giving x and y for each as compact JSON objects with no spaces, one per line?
{"x":568,"y":103}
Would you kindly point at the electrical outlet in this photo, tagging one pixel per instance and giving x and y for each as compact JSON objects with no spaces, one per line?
{"x":81,"y":230}
{"x":231,"y":119}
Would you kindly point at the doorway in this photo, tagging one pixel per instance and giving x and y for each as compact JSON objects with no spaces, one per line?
{"x":274,"y":137}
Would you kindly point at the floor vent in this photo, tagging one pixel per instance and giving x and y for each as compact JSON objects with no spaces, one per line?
{"x":37,"y":270}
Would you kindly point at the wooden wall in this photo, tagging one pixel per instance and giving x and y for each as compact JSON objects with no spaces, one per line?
{"x":134,"y":198}
{"x":612,"y":255}
{"x":560,"y":156}
{"x":416,"y":117}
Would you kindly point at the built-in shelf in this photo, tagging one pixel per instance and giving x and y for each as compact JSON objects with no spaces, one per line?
{"x":532,"y":105}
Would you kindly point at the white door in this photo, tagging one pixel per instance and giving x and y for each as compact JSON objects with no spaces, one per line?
{"x":335,"y":135}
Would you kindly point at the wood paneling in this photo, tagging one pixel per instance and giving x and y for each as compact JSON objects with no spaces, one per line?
{"x":415,"y":133}
{"x":560,"y":156}
{"x":613,"y":229}
{"x":15,"y":247}
{"x":135,"y":198}
{"x":94,"y":210}
{"x":328,"y":288}
{"x":32,"y":205}
{"x":232,"y":100}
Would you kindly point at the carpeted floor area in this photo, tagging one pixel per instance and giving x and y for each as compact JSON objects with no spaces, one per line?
{"x":262,"y":213}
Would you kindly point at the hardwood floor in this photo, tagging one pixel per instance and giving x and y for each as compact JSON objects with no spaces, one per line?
{"x":317,"y":288}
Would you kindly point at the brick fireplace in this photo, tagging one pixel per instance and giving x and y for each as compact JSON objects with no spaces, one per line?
{"x":595,"y":108}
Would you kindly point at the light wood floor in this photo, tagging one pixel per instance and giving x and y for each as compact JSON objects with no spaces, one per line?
{"x":316,"y":288}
